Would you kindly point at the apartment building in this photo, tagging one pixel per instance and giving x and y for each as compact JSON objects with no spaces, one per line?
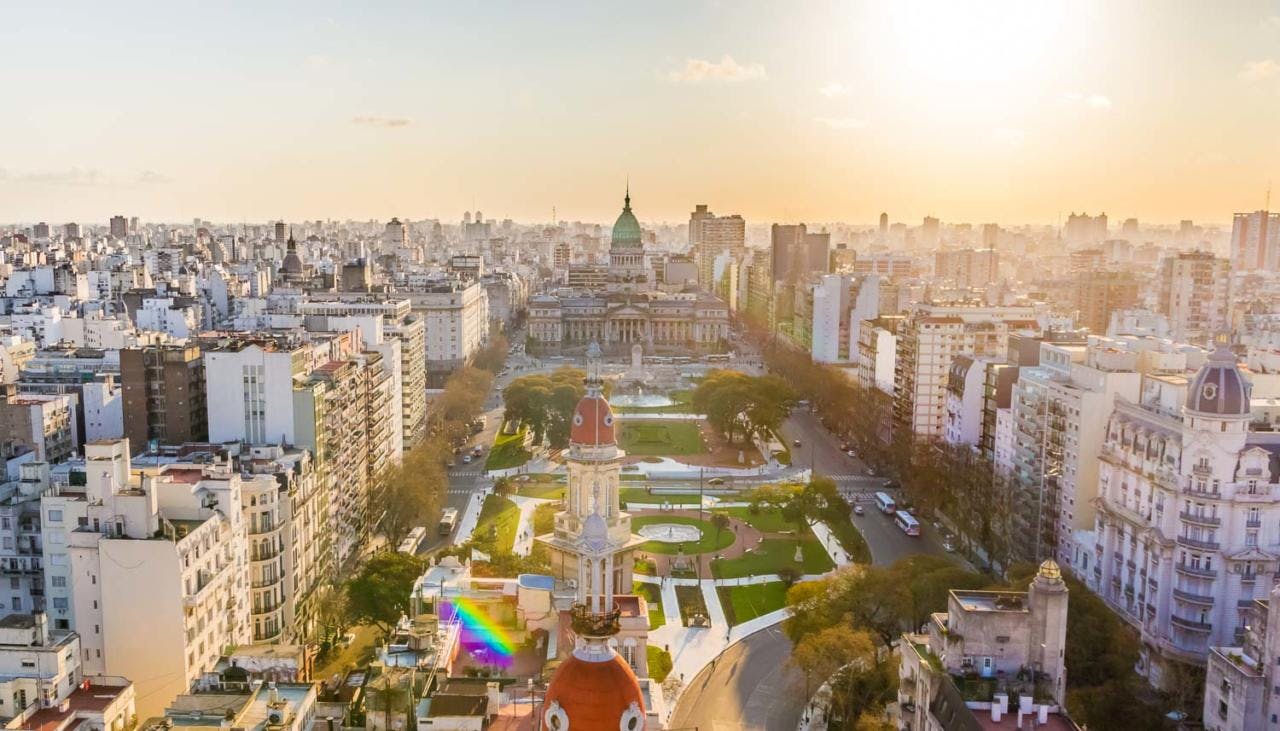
{"x":1059,"y":413}
{"x":165,"y":400}
{"x":709,"y":237}
{"x":878,"y":352}
{"x":1195,"y":294}
{"x":150,"y":569}
{"x":840,"y":302}
{"x":966,"y":268}
{"x":22,"y":586}
{"x":1255,"y":242}
{"x":42,"y":423}
{"x":1240,"y":679}
{"x":1188,"y":509}
{"x":455,"y":316}
{"x":1100,"y":294}
{"x":928,"y":340}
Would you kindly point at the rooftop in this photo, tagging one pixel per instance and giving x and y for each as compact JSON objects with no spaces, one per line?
{"x":991,"y":601}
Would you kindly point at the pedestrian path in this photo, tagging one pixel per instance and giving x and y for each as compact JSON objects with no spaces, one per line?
{"x":830,"y":543}
{"x":670,"y":604}
{"x":524,"y":529}
{"x":470,"y":515}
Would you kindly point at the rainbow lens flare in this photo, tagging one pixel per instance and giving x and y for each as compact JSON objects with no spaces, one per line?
{"x":478,"y":627}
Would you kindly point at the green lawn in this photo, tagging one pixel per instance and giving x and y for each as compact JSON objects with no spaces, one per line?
{"x":765,"y":520}
{"x":661,"y":438}
{"x":508,"y":451}
{"x":541,"y":486}
{"x":659,"y":662}
{"x":499,"y":517}
{"x":691,"y":602}
{"x":644,"y":566}
{"x":772,"y":556}
{"x":707,"y":544}
{"x":742,"y":603}
{"x":653,"y":597}
{"x":544,"y":518}
{"x":850,"y":538}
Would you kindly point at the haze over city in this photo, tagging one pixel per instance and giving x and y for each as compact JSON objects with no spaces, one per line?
{"x":1017,"y":112}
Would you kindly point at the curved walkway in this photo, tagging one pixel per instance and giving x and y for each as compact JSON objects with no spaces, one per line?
{"x":745,"y":538}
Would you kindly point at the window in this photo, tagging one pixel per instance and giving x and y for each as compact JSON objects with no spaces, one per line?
{"x":55,"y":516}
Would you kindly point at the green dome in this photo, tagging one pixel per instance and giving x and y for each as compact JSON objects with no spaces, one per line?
{"x":626,"y":230}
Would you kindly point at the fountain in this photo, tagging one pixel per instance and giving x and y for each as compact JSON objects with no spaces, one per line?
{"x":670,"y":533}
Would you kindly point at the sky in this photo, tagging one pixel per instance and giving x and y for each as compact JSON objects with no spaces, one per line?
{"x":1011,"y":111}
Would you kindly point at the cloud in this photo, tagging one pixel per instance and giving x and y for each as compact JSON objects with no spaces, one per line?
{"x":83,"y":177}
{"x":1255,"y":71}
{"x":376,"y":121}
{"x":833,"y":90}
{"x":1092,"y":101}
{"x":843,"y":123}
{"x":726,"y":69}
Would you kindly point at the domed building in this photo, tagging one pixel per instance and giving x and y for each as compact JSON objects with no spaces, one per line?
{"x":627,"y":303}
{"x":597,"y":684}
{"x":1187,"y":534}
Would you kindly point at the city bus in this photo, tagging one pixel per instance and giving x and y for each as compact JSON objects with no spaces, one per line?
{"x":413,"y":541}
{"x":448,"y":520}
{"x":908,"y":524}
{"x":886,"y":503}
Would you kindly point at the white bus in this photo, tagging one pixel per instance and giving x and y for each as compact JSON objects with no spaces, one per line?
{"x":448,"y":520}
{"x":908,"y":524}
{"x":886,"y":503}
{"x":413,"y":541}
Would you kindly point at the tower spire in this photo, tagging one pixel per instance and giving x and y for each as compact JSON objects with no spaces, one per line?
{"x":626,"y":201}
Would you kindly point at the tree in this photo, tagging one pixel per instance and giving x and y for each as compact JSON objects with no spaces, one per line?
{"x":379,"y":592}
{"x":853,"y":664}
{"x":332,"y":613}
{"x":504,"y":486}
{"x":721,"y":523}
{"x":413,"y":491}
{"x":493,"y":356}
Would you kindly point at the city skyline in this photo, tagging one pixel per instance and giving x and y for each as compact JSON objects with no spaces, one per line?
{"x":1006,"y":112}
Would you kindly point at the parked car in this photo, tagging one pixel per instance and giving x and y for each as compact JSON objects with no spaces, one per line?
{"x":716,"y":481}
{"x":466,"y":459}
{"x":857,"y":510}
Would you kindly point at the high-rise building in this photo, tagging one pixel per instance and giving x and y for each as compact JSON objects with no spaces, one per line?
{"x":709,"y":236}
{"x":1255,"y":242}
{"x":785,"y":240}
{"x":840,"y":303}
{"x":395,"y":235}
{"x":1195,"y":294}
{"x":71,"y":231}
{"x":966,"y":268}
{"x":164,"y":395}
{"x":1082,"y":228}
{"x":930,"y":232}
{"x":927,"y":342}
{"x":1098,"y":294}
{"x":884,"y":226}
{"x":119,"y":227}
{"x":281,"y":231}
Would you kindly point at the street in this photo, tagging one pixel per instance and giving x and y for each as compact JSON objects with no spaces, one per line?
{"x":751,"y":686}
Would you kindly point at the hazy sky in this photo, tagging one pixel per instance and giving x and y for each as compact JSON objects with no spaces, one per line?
{"x":1017,"y":111}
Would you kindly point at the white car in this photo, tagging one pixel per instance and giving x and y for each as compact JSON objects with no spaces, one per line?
{"x":466,"y":459}
{"x":857,"y":510}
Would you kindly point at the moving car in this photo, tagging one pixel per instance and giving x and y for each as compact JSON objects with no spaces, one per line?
{"x":851,"y":453}
{"x":857,"y":510}
{"x":795,"y":442}
{"x":466,"y":459}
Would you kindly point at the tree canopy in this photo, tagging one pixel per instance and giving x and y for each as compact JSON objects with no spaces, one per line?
{"x":545,"y":402}
{"x":379,"y":592}
{"x":740,"y":406}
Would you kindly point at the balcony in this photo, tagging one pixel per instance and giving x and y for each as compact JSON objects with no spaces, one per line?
{"x":1200,"y":518}
{"x":1208,"y":492}
{"x":1253,"y":522}
{"x":1187,"y":596}
{"x":1189,"y":570}
{"x":1190,"y":624}
{"x":1201,"y":470}
{"x":1197,"y":543}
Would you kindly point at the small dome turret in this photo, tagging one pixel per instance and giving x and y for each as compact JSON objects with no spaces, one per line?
{"x":1220,"y":388}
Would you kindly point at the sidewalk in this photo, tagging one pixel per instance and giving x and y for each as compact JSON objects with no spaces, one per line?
{"x":524,"y":528}
{"x":470,"y":515}
{"x":830,"y":543}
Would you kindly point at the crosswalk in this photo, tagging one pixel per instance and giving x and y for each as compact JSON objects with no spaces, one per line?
{"x":857,"y":478}
{"x":466,"y":473}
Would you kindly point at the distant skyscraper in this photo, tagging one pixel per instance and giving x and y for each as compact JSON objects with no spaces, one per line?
{"x":133,"y":224}
{"x":709,"y":235}
{"x":990,"y":235}
{"x":281,"y":231}
{"x":71,"y":231}
{"x":1129,"y":229}
{"x":1255,"y":242}
{"x":119,"y":227}
{"x":40,"y":230}
{"x":395,"y":235}
{"x":1082,"y":228}
{"x":1099,"y":294}
{"x":884,"y":226}
{"x":785,"y":240}
{"x":929,"y":232}
{"x":1195,"y":294}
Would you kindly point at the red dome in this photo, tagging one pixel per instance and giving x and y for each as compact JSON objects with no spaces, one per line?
{"x":592,"y":422}
{"x":594,"y":696}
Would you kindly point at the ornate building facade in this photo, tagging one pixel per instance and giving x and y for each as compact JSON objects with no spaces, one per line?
{"x":628,"y":309}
